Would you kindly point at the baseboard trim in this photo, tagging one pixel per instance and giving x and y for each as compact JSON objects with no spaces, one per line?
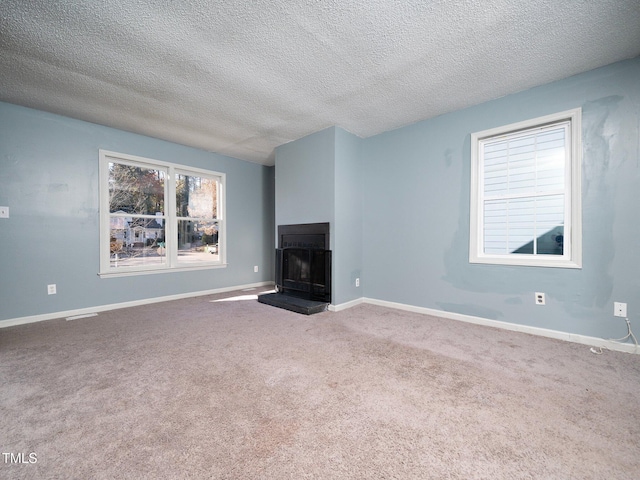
{"x":543,"y":332}
{"x":344,"y":306}
{"x":114,"y":306}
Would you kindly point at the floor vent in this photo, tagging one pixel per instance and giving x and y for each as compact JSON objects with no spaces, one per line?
{"x":86,"y":315}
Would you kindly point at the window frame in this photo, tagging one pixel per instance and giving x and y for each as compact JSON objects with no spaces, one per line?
{"x":172,"y":263}
{"x":572,"y":249}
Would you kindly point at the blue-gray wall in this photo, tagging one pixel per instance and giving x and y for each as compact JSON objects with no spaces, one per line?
{"x":398,"y":204}
{"x":304,"y":180}
{"x":49,"y":179}
{"x":318,"y":180}
{"x":347,"y":259}
{"x":416,"y":212}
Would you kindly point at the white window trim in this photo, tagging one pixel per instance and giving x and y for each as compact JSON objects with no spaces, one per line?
{"x":572,"y":257}
{"x":170,"y":215}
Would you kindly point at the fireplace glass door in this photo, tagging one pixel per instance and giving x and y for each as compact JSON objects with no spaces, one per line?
{"x":304,"y":272}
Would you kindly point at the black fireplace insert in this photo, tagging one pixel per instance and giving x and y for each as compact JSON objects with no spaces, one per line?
{"x":303,"y":261}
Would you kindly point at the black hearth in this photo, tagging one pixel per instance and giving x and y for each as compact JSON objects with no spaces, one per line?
{"x":303,"y":268}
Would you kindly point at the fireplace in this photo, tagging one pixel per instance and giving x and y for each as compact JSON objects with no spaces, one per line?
{"x":303,"y":268}
{"x":303,"y":261}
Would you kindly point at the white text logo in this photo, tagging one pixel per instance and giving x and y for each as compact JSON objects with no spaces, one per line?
{"x":19,"y":457}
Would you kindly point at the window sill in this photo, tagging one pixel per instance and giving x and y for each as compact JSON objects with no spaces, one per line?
{"x":526,"y":262}
{"x":130,"y":273}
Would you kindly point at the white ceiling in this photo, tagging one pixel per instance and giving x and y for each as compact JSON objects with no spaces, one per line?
{"x":242,"y":77}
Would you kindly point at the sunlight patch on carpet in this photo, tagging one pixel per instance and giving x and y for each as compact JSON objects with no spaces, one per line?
{"x":238,"y":298}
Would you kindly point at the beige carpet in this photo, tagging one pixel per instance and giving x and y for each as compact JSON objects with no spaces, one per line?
{"x":240,"y":390}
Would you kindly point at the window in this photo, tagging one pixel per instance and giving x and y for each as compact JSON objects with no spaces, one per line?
{"x":156,"y":216}
{"x":525,"y":193}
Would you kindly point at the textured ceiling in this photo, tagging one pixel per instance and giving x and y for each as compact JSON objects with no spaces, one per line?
{"x":242,"y":77}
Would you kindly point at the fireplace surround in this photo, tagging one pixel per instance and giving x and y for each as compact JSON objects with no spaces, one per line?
{"x":303,"y":268}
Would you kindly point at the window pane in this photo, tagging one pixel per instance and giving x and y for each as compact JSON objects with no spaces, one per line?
{"x":135,"y":189}
{"x":196,"y":197}
{"x":551,"y":160}
{"x":524,"y":225}
{"x":495,"y":227}
{"x":551,"y":242}
{"x":495,"y":168}
{"x":198,"y":241}
{"x":550,"y":224}
{"x":521,"y":218}
{"x":525,"y":163}
{"x":135,"y":241}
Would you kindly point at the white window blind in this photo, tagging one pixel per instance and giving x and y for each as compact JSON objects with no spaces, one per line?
{"x":525,"y":193}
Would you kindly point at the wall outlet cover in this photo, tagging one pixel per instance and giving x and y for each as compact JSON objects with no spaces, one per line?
{"x":619,"y":309}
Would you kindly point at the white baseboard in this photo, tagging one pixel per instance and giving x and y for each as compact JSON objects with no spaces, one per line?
{"x":344,"y":306}
{"x":543,"y":332}
{"x":114,"y":306}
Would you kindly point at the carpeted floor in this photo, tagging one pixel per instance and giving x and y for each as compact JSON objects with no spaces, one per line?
{"x":234,"y":389}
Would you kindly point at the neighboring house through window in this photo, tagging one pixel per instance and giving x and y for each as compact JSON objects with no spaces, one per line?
{"x":525,"y":193}
{"x":158,"y":216}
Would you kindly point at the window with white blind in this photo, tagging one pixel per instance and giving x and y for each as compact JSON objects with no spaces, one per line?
{"x":525,"y":193}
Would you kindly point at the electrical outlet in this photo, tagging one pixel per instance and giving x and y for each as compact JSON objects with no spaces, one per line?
{"x":4,"y":212}
{"x":619,"y":309}
{"x":255,"y":269}
{"x":357,"y":282}
{"x":540,"y":300}
{"x":51,"y":289}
